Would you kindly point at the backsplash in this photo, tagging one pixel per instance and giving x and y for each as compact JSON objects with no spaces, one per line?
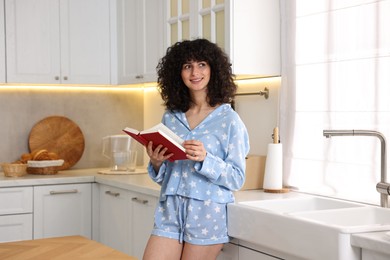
{"x":98,"y":112}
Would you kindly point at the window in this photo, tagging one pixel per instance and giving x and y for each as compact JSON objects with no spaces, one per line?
{"x":335,"y":75}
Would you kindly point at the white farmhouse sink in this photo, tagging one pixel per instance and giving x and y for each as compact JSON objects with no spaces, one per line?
{"x":305,"y":228}
{"x":351,"y":220}
{"x":309,"y":203}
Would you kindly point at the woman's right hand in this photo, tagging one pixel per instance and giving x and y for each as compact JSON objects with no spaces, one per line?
{"x":157,"y":156}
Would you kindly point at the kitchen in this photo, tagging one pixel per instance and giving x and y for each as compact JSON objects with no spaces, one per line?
{"x":118,"y":106}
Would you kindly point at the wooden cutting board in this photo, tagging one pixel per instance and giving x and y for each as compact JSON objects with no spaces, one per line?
{"x":60,"y":135}
{"x":60,"y":248}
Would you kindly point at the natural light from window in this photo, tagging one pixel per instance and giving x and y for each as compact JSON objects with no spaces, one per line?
{"x":336,"y":76}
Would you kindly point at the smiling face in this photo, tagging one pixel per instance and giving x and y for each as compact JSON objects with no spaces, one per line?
{"x":196,"y":75}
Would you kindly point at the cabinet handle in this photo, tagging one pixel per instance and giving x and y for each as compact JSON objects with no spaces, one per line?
{"x":135,"y":199}
{"x":65,"y":78}
{"x":115,"y":194}
{"x":57,"y":78}
{"x":139,"y":77}
{"x":53,"y":192}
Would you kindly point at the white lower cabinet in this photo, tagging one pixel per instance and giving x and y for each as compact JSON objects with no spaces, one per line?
{"x":113,"y":222}
{"x":229,"y":252}
{"x":63,"y":210}
{"x":373,"y":255}
{"x":233,"y":251}
{"x":126,"y":219}
{"x":16,"y":207}
{"x":249,"y":254}
{"x":16,"y":227}
{"x":142,"y":220}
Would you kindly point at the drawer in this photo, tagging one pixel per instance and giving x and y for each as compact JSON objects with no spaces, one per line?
{"x":16,"y":227}
{"x":16,"y":200}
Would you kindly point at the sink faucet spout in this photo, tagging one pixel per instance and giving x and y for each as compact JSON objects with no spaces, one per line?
{"x":382,"y":187}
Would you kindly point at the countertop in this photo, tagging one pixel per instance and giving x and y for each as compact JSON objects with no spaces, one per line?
{"x":139,"y":181}
{"x":71,"y":247}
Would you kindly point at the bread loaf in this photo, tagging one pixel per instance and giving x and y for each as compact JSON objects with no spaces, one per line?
{"x":38,"y":155}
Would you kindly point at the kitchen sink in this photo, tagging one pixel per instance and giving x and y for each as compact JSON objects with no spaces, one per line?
{"x":299,"y":204}
{"x":351,"y":220}
{"x":307,"y":227}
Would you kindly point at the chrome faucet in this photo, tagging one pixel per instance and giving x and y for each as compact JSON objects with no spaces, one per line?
{"x":382,"y":187}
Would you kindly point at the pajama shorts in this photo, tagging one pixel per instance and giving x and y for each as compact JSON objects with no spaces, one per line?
{"x":193,"y":221}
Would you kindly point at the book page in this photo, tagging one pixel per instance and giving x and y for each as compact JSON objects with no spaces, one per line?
{"x":131,"y":130}
{"x":164,"y":129}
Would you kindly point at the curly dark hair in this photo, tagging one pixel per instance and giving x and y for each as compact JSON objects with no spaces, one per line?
{"x":175,"y":94}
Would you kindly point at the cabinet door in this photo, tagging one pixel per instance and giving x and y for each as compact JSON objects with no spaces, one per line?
{"x":142,"y":220}
{"x":85,"y":41}
{"x":58,"y":41}
{"x":211,"y":24}
{"x":179,"y":20}
{"x":151,"y":39}
{"x":16,"y":227}
{"x":33,"y":43}
{"x":248,"y":254}
{"x":16,"y":200}
{"x":252,"y":37}
{"x":229,"y":252}
{"x":2,"y":43}
{"x":62,"y":210}
{"x":114,"y":218}
{"x":138,"y":40}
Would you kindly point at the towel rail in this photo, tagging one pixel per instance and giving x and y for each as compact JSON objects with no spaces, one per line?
{"x":264,"y":93}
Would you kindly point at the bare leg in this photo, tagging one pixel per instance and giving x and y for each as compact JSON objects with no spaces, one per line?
{"x":197,"y":252}
{"x":162,"y":248}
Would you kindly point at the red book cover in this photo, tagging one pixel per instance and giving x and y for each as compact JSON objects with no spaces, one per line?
{"x":160,"y":134}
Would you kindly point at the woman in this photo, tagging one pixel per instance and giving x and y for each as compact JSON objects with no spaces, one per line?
{"x":195,"y":81}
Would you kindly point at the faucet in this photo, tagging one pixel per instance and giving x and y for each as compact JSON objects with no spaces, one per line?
{"x":382,"y":187}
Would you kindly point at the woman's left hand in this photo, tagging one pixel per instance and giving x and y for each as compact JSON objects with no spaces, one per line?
{"x":195,"y":150}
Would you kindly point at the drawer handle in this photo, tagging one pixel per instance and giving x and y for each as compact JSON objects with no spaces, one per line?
{"x":115,"y":194}
{"x":53,"y":192}
{"x":135,"y":199}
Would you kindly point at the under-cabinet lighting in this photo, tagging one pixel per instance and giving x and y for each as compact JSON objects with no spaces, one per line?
{"x":257,"y":80}
{"x":131,"y":87}
{"x":87,"y":88}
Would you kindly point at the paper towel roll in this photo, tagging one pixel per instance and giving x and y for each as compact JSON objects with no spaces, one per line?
{"x":273,"y":175}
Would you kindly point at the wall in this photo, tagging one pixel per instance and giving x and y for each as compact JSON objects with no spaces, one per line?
{"x":97,"y":111}
{"x":260,"y":115}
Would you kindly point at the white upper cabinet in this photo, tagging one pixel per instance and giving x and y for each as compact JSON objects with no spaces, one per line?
{"x":138,"y":40}
{"x":58,"y":41}
{"x":252,"y":37}
{"x":2,"y":43}
{"x":248,"y":30}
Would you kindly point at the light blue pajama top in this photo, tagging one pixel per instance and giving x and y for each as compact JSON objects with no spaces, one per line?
{"x":225,"y":138}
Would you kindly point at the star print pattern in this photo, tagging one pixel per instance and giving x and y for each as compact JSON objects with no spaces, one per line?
{"x":191,"y":220}
{"x":225,"y":138}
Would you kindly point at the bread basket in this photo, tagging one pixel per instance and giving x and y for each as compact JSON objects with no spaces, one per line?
{"x":14,"y":169}
{"x":46,"y":167}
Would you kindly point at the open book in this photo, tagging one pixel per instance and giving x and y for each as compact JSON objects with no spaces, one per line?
{"x":160,"y":134}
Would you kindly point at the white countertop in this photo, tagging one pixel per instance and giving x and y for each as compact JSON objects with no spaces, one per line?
{"x":139,"y":182}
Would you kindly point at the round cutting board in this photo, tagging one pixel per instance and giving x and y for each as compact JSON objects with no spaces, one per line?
{"x":60,"y":135}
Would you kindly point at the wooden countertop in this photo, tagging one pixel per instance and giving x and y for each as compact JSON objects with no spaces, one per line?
{"x":60,"y":248}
